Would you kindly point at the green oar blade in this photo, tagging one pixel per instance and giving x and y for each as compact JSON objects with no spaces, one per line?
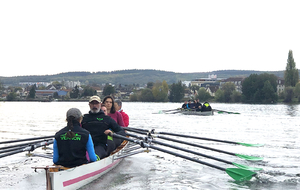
{"x":252,"y":158}
{"x":240,"y":174}
{"x":246,"y":167}
{"x":247,"y":144}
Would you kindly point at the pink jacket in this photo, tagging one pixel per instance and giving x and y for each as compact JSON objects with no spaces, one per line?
{"x":117,"y":117}
{"x":125,"y":118}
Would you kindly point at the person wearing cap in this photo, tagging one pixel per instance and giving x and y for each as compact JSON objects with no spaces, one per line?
{"x":72,"y":142}
{"x":99,"y":125}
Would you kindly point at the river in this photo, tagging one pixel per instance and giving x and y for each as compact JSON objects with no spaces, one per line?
{"x":275,"y":126}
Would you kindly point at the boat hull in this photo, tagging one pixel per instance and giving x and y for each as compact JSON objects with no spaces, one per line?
{"x":77,"y":177}
{"x":201,"y":113}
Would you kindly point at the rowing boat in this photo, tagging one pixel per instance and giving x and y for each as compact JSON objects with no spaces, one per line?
{"x":58,"y":177}
{"x":202,"y":113}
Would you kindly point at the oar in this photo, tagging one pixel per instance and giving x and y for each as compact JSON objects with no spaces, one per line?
{"x":222,"y":111}
{"x":236,"y":173}
{"x":185,"y":110}
{"x":252,"y":158}
{"x":197,"y":153}
{"x":23,"y":144}
{"x":170,"y":110}
{"x":28,"y":148}
{"x":201,"y":138}
{"x":29,"y":139}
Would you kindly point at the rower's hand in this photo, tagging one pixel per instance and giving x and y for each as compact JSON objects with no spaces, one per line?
{"x":107,"y":132}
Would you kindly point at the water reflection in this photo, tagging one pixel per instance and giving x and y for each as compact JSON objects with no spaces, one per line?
{"x":292,"y":109}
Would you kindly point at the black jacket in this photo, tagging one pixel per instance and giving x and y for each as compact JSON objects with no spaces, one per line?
{"x":96,"y":124}
{"x":72,"y":152}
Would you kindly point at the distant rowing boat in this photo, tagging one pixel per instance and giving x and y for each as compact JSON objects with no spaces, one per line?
{"x":73,"y":178}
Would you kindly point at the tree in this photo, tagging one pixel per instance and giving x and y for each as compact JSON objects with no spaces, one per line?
{"x":236,"y":96}
{"x":32,"y":92}
{"x":269,"y":93}
{"x":1,"y":86}
{"x":297,"y":91}
{"x":146,"y":95}
{"x":203,"y":95}
{"x":228,"y":88}
{"x":176,"y":92}
{"x":55,"y":95}
{"x":108,"y":90}
{"x":150,"y":85}
{"x":194,"y":88}
{"x":288,"y":94}
{"x":160,"y":91}
{"x":133,"y":97}
{"x":291,"y":74}
{"x":219,"y":95}
{"x":88,"y":91}
{"x":260,"y":88}
{"x":11,"y":96}
{"x":75,"y":92}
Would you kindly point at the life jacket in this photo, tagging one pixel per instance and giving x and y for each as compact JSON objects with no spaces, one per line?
{"x":72,"y":151}
{"x":206,"y":107}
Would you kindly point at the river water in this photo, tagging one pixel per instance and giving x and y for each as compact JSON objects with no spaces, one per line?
{"x":276,"y":126}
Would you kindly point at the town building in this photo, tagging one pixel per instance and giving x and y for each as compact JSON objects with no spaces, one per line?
{"x":237,"y":81}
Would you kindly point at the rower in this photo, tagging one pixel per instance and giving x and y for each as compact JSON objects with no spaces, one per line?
{"x":184,"y":106}
{"x":206,"y":107}
{"x":99,"y":125}
{"x":72,"y":142}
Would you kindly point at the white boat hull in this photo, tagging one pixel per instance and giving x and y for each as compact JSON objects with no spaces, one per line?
{"x":77,"y":177}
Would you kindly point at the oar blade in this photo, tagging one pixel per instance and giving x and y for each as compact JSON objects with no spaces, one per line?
{"x":240,"y":174}
{"x":252,"y":158}
{"x":247,"y":144}
{"x":246,"y":167}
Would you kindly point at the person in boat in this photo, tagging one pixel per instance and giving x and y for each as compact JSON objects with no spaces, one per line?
{"x":111,"y":146}
{"x":109,"y":103}
{"x":118,"y":106}
{"x":72,"y":142}
{"x":184,"y":105}
{"x":190,"y":105}
{"x":206,"y":107}
{"x":99,"y":125}
{"x":103,"y":108}
{"x":198,"y":105}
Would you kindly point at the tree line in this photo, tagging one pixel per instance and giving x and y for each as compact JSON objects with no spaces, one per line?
{"x":256,"y":88}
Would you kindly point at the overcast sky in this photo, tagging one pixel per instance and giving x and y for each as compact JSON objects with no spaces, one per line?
{"x":49,"y":37}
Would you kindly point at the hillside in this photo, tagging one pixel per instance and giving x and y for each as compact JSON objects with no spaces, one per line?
{"x":130,"y":76}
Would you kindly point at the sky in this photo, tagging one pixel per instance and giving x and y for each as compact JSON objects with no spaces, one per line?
{"x":50,"y":37}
